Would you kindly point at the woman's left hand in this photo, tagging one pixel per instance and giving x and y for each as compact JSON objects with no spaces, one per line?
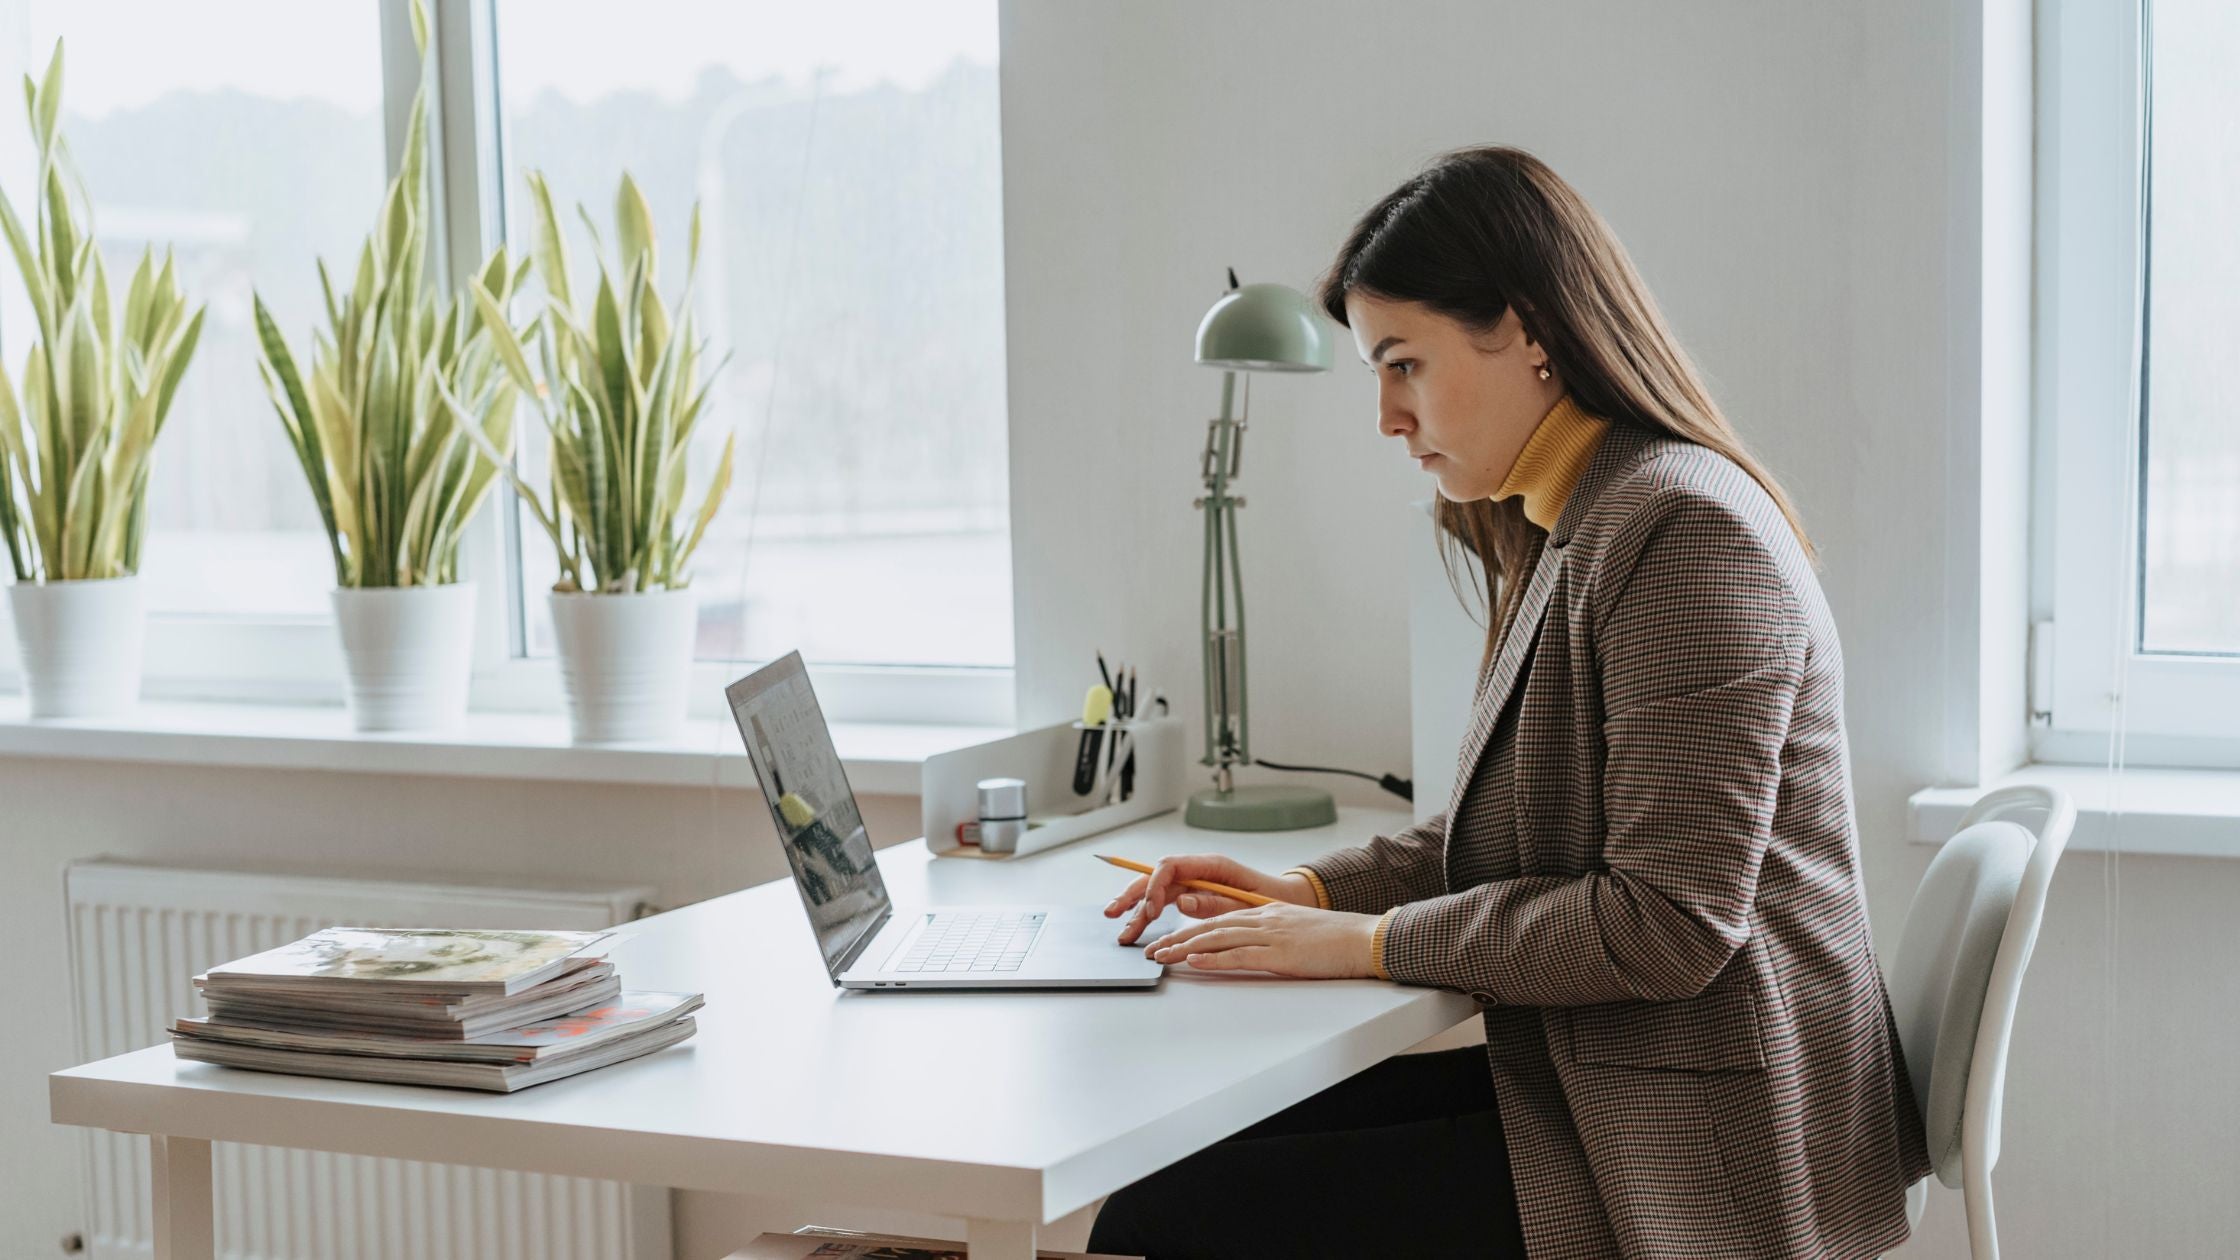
{"x":1278,"y":937}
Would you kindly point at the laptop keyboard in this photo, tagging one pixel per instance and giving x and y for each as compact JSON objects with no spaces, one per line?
{"x":973,"y":941}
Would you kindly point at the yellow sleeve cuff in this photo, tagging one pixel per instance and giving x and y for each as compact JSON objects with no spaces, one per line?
{"x":1376,"y":944}
{"x":1321,"y":891}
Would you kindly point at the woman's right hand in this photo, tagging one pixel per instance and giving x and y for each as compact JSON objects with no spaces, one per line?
{"x":1151,"y":894}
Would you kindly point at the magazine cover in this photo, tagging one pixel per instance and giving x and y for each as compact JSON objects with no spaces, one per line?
{"x":434,"y":958}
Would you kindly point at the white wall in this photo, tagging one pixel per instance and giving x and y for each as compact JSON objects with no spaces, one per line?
{"x":1789,"y":179}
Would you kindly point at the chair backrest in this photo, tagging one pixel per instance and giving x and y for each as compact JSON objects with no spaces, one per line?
{"x":1967,"y":939}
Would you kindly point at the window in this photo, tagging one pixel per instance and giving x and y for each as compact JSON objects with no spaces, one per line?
{"x":846,"y":162}
{"x":157,"y":100}
{"x":2138,"y":392}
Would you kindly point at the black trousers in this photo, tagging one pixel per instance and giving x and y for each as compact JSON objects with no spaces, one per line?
{"x":1405,"y":1158}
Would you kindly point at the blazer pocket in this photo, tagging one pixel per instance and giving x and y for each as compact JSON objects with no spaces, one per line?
{"x":1715,"y":1030}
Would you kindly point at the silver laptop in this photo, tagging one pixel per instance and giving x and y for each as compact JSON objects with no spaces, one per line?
{"x":869,"y":944}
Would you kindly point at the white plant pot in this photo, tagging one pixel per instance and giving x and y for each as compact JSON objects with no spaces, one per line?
{"x":409,"y":651}
{"x":80,"y":645}
{"x":625,"y":661}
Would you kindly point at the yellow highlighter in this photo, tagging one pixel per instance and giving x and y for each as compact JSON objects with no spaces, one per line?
{"x":1206,"y":885}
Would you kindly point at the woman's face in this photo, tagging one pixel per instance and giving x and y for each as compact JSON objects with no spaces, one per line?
{"x":1464,"y":404}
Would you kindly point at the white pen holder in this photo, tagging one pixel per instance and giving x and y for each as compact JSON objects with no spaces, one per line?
{"x":1045,"y":758}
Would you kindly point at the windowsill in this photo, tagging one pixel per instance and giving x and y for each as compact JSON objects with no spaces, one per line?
{"x":2186,"y":813}
{"x":882,"y":759}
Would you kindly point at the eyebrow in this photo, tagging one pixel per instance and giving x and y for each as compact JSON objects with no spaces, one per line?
{"x":1377,"y":355}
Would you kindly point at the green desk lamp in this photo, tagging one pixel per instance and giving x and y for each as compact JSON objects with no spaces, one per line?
{"x":1253,"y":328}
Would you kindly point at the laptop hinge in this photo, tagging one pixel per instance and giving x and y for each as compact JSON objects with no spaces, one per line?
{"x":863,"y":942}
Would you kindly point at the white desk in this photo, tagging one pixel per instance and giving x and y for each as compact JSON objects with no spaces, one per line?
{"x":1009,"y":1110}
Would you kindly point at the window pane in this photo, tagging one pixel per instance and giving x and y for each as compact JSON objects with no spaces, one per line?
{"x":846,"y":160}
{"x":2192,"y":505}
{"x":246,"y":136}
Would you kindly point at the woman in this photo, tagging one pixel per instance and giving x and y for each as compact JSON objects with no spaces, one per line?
{"x":1648,"y":874}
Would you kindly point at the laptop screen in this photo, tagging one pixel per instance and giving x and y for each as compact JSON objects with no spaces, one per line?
{"x":811,"y":804}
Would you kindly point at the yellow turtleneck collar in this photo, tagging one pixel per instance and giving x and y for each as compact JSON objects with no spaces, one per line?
{"x":1552,"y":459}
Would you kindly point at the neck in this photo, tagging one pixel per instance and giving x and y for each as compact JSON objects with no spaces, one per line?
{"x":1551,"y":461}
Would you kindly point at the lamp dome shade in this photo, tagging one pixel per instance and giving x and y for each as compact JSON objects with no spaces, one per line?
{"x":1264,"y":328}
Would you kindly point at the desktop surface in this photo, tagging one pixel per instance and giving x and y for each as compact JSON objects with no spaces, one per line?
{"x":1023,"y":1104}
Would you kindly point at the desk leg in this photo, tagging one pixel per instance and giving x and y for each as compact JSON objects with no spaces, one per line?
{"x":999,"y":1240}
{"x":184,"y":1228}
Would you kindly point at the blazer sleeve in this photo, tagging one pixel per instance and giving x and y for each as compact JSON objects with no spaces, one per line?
{"x":1700,"y":645}
{"x":1405,"y":866}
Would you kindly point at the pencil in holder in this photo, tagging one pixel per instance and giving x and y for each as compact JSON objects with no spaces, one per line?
{"x":1107,"y":781}
{"x":1045,"y":758}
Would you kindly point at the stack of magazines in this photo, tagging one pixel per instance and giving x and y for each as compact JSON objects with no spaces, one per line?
{"x":495,"y":1010}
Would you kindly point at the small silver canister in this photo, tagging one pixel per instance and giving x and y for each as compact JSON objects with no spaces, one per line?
{"x":1003,"y":814}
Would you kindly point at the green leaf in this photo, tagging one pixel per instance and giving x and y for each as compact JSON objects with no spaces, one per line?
{"x":502,"y":338}
{"x":717,"y":488}
{"x":498,"y":459}
{"x":81,"y":506}
{"x":633,"y":226}
{"x":62,"y":240}
{"x":50,"y":101}
{"x":39,"y":403}
{"x":27,"y":262}
{"x":551,"y":248}
{"x":137,"y":297}
{"x":89,"y":393}
{"x":176,"y":357}
{"x":309,"y":438}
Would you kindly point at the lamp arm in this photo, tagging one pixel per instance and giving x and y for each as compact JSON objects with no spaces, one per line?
{"x":1236,"y":576}
{"x":1206,"y":664}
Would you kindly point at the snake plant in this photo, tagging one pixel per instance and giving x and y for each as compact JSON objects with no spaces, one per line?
{"x":621,"y":392}
{"x":98,"y":382}
{"x":395,"y":469}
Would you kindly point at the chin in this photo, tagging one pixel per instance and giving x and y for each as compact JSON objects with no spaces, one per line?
{"x":1454,"y":493}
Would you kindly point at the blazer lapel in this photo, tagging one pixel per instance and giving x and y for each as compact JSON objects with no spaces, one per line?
{"x":1516,"y":645}
{"x":1621,"y":446}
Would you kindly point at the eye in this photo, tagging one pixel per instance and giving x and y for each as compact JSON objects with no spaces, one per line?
{"x":1401,"y":367}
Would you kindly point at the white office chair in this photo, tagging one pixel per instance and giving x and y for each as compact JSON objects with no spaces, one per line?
{"x":1959,"y":971}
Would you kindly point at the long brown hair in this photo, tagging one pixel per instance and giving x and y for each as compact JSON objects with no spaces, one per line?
{"x":1482,"y":230}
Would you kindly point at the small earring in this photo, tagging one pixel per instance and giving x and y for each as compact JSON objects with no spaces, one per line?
{"x":1543,"y":371}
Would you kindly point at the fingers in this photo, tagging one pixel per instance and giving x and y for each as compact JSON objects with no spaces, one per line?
{"x":1200,"y":940}
{"x":1153,"y":893}
{"x":1158,"y":889}
{"x":1242,"y":958}
{"x":1204,"y":905}
{"x":1127,"y":897}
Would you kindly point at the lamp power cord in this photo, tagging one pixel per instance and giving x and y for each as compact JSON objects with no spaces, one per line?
{"x":1405,"y":789}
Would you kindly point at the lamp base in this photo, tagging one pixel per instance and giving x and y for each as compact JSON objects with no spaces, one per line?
{"x":1271,"y":807}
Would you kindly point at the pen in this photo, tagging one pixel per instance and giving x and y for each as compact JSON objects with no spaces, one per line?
{"x":1206,"y":885}
{"x":1128,"y":768}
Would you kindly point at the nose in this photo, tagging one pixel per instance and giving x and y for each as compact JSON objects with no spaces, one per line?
{"x":1393,"y":418}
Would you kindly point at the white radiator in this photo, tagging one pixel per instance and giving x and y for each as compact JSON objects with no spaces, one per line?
{"x":138,"y":935}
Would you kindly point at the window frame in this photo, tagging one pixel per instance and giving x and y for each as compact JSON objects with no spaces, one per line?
{"x":2094,"y":137}
{"x":298,"y":659}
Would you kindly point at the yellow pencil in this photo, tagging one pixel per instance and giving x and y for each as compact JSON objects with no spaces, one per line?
{"x":1249,"y":898}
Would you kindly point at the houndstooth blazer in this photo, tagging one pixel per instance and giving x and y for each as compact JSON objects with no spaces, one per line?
{"x":1660,"y":910}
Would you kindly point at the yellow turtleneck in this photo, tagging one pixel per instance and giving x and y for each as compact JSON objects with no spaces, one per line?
{"x":1544,"y":474}
{"x":1552,"y":459}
